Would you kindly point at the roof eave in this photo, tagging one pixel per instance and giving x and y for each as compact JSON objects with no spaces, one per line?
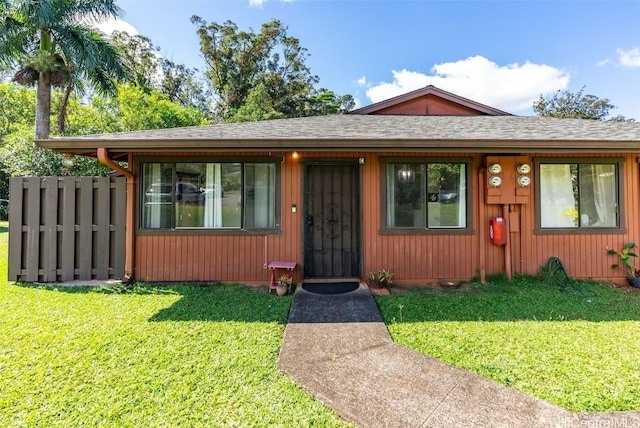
{"x":80,"y":146}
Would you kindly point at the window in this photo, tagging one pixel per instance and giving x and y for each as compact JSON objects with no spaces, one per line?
{"x":578,"y":195}
{"x":213,"y":195}
{"x":426,"y":195}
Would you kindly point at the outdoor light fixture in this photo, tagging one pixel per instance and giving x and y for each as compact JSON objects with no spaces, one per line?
{"x":406,"y":174}
{"x":67,"y":161}
{"x":295,"y":155}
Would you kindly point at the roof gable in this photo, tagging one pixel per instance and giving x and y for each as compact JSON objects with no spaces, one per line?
{"x":430,"y":101}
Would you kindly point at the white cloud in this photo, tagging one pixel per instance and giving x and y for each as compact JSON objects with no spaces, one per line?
{"x":629,"y":58}
{"x":511,"y":87}
{"x":259,"y":3}
{"x":109,"y":27}
{"x":362,"y":81}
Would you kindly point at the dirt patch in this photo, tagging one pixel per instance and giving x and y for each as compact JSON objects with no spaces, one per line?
{"x":430,"y":288}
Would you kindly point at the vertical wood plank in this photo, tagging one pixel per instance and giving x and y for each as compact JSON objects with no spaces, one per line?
{"x":68,"y":228}
{"x":84,"y":203}
{"x":102,"y":204}
{"x":119,"y":225}
{"x":16,"y":222}
{"x":33,"y":229}
{"x":50,"y":229}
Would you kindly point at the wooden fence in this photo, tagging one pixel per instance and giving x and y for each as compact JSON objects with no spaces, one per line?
{"x":66,"y":228}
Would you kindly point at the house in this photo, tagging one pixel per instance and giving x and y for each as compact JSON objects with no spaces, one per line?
{"x":429,"y":185}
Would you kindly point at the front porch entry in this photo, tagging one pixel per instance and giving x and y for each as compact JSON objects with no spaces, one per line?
{"x":331,"y":220}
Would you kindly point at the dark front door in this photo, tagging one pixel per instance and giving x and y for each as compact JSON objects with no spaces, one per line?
{"x":331,"y":220}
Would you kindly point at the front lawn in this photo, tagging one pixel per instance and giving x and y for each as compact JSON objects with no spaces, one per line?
{"x":189,"y":355}
{"x":580,"y":352}
{"x":148,"y":357}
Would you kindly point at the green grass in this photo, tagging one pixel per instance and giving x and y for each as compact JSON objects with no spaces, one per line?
{"x":206,"y":355}
{"x":580,"y":352}
{"x":172,"y":356}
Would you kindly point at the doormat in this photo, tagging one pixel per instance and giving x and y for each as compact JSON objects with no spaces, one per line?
{"x":330,"y":287}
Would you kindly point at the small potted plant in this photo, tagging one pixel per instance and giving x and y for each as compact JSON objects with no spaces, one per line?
{"x":625,"y":255}
{"x":380,"y":278}
{"x":283,"y":284}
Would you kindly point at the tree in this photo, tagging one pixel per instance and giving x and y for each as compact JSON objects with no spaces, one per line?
{"x":567,"y":105}
{"x":151,"y":71}
{"x":132,"y":109}
{"x":139,"y":110}
{"x":258,"y":106}
{"x":240,"y":61}
{"x":141,"y":56}
{"x":52,"y":43}
{"x":18,"y":108}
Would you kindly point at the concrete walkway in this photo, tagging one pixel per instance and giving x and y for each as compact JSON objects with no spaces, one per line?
{"x":338,"y":349}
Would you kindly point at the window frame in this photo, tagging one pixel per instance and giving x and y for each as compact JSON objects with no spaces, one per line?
{"x":276,"y":160}
{"x":466,"y":160}
{"x":617,"y":161}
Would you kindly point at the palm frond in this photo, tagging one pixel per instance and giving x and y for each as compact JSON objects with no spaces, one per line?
{"x":36,"y":14}
{"x":91,"y":12}
{"x":89,"y":54}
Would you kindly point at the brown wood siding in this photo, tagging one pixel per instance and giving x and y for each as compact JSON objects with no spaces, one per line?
{"x":431,"y":105}
{"x":585,"y":255}
{"x":225,"y":258}
{"x":414,"y":259}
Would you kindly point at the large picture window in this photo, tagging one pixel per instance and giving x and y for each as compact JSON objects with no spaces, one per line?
{"x":426,"y":195}
{"x":211,"y":195}
{"x":578,"y":195}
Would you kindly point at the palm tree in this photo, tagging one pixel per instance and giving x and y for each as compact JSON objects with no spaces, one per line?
{"x":52,"y":42}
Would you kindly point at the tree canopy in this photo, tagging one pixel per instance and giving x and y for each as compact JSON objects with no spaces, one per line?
{"x":568,"y":105}
{"x":181,"y":84}
{"x":268,"y":66}
{"x":132,"y":109}
{"x":52,"y":42}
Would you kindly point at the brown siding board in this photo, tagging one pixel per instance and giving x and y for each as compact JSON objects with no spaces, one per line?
{"x":412,"y":258}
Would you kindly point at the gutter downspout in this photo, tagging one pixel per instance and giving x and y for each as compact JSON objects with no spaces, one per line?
{"x":482,"y":223}
{"x":507,"y":246}
{"x":129,"y":260}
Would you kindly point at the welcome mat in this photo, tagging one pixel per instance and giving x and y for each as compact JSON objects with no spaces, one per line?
{"x":330,"y":287}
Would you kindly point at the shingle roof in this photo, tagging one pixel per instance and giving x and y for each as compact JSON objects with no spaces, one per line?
{"x":376,"y":132}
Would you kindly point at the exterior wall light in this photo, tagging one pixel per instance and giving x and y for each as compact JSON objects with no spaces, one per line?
{"x":67,"y":161}
{"x":406,"y":174}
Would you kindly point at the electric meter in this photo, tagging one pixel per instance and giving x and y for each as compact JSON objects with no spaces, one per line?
{"x":524,"y":168}
{"x":495,"y":181}
{"x":495,"y":168}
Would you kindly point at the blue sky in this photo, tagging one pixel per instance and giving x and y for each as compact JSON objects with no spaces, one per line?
{"x":501,"y":53}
